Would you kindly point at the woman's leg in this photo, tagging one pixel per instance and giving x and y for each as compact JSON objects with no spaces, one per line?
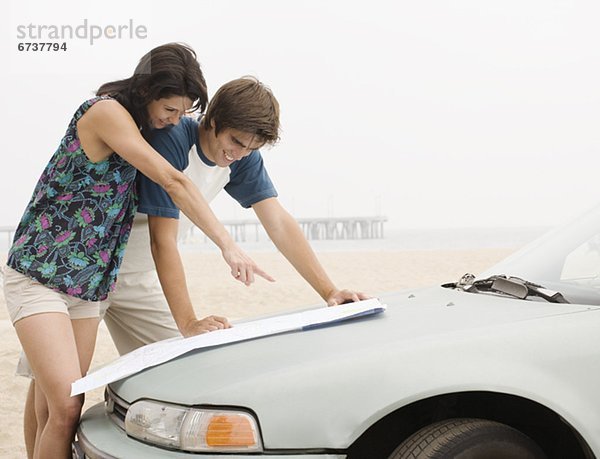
{"x":85,"y":331}
{"x":36,"y":406}
{"x":29,"y":420}
{"x":41,"y":413}
{"x":49,"y":342}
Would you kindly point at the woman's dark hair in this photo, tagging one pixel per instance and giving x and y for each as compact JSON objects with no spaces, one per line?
{"x":166,"y":71}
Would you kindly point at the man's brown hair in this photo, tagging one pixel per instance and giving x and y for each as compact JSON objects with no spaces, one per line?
{"x":247,"y":105}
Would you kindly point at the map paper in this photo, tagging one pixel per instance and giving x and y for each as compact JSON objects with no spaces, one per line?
{"x":163,"y":351}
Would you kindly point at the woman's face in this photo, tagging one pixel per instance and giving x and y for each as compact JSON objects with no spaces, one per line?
{"x":169,"y":110}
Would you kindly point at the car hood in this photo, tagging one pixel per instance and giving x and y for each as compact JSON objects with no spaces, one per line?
{"x":316,"y":374}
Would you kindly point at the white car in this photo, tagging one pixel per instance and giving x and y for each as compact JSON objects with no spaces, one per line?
{"x":505,"y":365}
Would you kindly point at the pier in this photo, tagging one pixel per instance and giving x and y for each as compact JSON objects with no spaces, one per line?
{"x":324,"y":228}
{"x":342,"y":227}
{"x":10,"y":233}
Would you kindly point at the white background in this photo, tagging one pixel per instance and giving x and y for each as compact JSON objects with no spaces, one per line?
{"x":457,"y":113}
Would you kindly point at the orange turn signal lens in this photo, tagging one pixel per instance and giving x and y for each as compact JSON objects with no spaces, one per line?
{"x":231,"y":430}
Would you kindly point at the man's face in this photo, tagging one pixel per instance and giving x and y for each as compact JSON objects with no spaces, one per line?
{"x":169,"y":110}
{"x":231,"y":145}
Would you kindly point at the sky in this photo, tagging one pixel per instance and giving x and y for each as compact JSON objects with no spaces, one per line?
{"x":436,"y":114}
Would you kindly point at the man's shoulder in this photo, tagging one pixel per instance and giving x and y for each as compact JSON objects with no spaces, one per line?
{"x":252,"y":162}
{"x":174,"y":143}
{"x":187,"y":129}
{"x":190,"y":125}
{"x":249,"y":181}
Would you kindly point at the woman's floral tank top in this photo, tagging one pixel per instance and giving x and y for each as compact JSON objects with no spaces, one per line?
{"x":74,"y":231}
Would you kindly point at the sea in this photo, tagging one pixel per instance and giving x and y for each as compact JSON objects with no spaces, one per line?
{"x":394,"y":239}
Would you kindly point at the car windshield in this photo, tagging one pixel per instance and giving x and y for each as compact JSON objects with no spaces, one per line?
{"x":566,"y":259}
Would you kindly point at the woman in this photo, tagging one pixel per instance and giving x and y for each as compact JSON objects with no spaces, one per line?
{"x":71,"y":239}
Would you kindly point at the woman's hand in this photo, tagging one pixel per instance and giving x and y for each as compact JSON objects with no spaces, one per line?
{"x":243,"y":268}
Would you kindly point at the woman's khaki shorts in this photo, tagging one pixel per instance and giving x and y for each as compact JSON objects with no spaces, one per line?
{"x":26,"y":297}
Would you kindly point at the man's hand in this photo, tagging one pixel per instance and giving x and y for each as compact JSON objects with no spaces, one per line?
{"x":345,"y":296}
{"x":243,"y":268}
{"x":208,"y":324}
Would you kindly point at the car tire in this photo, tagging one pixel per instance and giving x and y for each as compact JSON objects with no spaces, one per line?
{"x":468,"y":439}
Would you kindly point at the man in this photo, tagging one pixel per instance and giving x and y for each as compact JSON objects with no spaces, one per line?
{"x":222,"y":152}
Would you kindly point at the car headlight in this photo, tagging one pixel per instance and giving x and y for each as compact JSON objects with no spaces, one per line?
{"x":193,"y":429}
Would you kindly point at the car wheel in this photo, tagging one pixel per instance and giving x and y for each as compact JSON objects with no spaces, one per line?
{"x":468,"y":439}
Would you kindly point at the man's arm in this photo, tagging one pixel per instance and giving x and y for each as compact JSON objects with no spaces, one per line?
{"x":286,"y":234}
{"x":163,"y":243}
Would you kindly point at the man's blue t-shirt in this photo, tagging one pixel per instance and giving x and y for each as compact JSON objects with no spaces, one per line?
{"x":246,"y":180}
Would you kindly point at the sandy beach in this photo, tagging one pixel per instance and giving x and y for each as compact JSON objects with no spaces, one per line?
{"x":215,"y":292}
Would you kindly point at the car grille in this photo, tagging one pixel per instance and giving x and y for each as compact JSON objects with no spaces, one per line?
{"x":116,"y":408}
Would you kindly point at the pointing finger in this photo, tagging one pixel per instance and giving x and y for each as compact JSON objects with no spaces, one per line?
{"x":264,"y":275}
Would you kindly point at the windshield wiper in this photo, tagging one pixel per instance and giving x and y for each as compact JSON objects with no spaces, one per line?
{"x":511,"y":286}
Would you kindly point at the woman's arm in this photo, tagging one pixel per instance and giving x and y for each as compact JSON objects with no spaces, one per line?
{"x":108,"y":124}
